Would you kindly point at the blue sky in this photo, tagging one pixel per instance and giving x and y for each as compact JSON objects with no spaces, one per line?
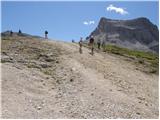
{"x":70,"y":20}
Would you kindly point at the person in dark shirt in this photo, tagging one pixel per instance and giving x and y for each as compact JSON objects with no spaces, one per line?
{"x":91,"y":43}
{"x":19,"y":32}
{"x":11,"y":33}
{"x":46,"y":33}
{"x":80,"y":45}
{"x":99,"y":43}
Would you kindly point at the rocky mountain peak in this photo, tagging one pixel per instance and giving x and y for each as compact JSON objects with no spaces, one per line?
{"x":139,"y":33}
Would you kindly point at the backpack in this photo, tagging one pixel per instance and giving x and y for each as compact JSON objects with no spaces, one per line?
{"x":91,"y":40}
{"x":46,"y":32}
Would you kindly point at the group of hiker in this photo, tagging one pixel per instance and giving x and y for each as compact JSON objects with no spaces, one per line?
{"x":91,"y":44}
{"x":20,"y":33}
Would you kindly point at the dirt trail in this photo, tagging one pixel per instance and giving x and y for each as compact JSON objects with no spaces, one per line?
{"x":83,"y":86}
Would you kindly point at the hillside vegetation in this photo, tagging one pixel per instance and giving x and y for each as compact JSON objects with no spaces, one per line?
{"x":149,"y":59}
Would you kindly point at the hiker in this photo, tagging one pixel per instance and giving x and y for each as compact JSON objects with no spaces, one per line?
{"x":80,"y":45}
{"x":103,"y":45}
{"x":11,"y":33}
{"x":19,"y":32}
{"x":72,"y":41}
{"x":91,"y":44}
{"x":99,"y":43}
{"x":46,"y":33}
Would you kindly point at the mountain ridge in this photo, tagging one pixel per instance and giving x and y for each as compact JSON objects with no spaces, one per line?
{"x":138,"y":33}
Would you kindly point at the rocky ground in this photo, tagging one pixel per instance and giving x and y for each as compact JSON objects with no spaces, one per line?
{"x":50,"y":79}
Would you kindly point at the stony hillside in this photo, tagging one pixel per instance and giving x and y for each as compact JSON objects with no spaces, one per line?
{"x":50,"y":79}
{"x":138,"y":34}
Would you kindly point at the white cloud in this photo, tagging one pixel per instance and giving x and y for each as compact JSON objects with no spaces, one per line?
{"x":85,"y":23}
{"x":117,"y":9}
{"x":89,"y":22}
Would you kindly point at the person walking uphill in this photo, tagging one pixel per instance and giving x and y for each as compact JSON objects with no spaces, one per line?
{"x":91,"y":43}
{"x":46,"y":33}
{"x":80,"y":45}
{"x":19,"y":32}
{"x":99,"y":43}
{"x":11,"y":33}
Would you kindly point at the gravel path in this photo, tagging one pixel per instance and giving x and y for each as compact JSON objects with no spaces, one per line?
{"x":81,"y":86}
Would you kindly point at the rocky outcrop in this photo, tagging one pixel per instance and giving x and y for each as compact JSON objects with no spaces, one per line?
{"x":139,"y":34}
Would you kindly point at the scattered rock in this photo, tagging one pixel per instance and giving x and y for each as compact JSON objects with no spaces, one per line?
{"x":39,"y":108}
{"x":102,"y":103}
{"x":137,"y":113}
{"x":92,"y":107}
{"x":61,"y":111}
{"x":119,"y":90}
{"x":92,"y":94}
{"x":146,"y":104}
{"x":18,"y":67}
{"x":141,"y":98}
{"x":73,"y":69}
{"x":43,"y":55}
{"x":65,"y":74}
{"x":57,"y":61}
{"x":71,"y":80}
{"x":57,"y":81}
{"x":6,"y":59}
{"x":59,"y":95}
{"x":4,"y":53}
{"x":41,"y":80}
{"x":44,"y":65}
{"x":47,"y":77}
{"x":49,"y":59}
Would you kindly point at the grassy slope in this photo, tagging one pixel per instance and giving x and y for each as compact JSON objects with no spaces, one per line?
{"x":149,"y":60}
{"x":146,"y":58}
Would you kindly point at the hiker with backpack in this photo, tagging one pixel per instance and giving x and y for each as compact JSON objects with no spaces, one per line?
{"x":11,"y":33}
{"x":46,"y":33}
{"x":80,"y":45}
{"x":91,"y":44}
{"x":99,"y":43}
{"x":19,"y":32}
{"x":72,"y":41}
{"x":103,"y":44}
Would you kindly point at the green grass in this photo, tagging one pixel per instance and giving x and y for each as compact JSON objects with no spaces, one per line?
{"x":3,"y":61}
{"x":151,"y":59}
{"x":32,"y":65}
{"x":47,"y":71}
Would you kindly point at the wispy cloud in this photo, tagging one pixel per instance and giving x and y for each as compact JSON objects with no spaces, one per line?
{"x":89,"y":22}
{"x":118,"y":10}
